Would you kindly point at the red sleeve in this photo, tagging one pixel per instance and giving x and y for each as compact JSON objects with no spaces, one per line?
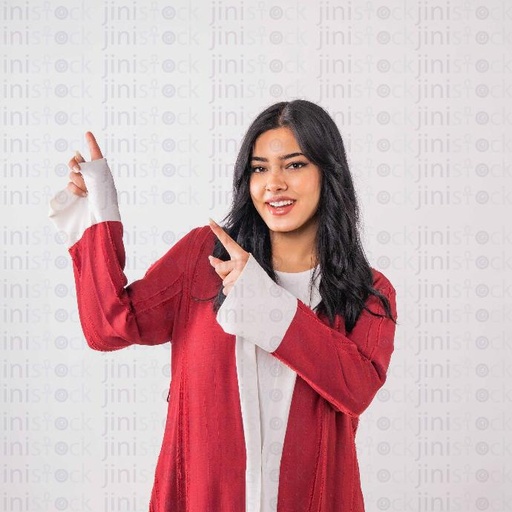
{"x":113,"y":315}
{"x":346,"y":370}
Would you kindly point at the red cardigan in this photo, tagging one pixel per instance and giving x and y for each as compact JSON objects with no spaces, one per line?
{"x":201,"y":466}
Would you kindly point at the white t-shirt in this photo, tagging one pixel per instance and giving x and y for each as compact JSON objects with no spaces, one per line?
{"x":275,"y":386}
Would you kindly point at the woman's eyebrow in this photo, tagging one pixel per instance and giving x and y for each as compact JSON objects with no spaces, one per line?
{"x":283,"y":157}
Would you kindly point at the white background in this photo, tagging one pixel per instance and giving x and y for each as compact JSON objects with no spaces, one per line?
{"x":421,"y":92}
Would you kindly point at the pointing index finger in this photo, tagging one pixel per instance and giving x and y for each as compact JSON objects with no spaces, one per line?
{"x":229,"y":244}
{"x":93,"y":147}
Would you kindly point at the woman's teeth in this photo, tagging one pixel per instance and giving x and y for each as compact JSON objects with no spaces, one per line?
{"x":280,"y":203}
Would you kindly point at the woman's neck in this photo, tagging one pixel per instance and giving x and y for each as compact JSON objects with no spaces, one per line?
{"x":293,"y":251}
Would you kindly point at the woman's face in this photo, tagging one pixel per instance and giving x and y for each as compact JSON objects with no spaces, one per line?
{"x":281,"y":173}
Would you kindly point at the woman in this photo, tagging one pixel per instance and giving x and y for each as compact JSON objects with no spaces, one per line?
{"x":281,"y":333}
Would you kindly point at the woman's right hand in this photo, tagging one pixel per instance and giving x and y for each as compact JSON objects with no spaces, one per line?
{"x":77,"y":183}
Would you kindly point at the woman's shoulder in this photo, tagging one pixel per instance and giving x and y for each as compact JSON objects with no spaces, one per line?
{"x":198,"y":235}
{"x":380,"y":281}
{"x":186,"y":248}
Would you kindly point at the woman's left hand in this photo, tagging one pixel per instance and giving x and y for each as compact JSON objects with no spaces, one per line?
{"x":229,"y":270}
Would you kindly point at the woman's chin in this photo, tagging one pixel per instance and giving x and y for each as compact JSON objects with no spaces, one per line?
{"x":282,"y":226}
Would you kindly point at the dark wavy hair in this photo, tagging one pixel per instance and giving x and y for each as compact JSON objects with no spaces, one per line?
{"x":346,"y":277}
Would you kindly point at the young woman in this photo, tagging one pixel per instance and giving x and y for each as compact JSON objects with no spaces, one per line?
{"x":281,"y":333}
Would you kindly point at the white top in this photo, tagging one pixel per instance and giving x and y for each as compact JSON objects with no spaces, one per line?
{"x":276,"y":382}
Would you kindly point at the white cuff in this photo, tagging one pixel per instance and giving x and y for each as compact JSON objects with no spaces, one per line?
{"x":73,"y":214}
{"x":257,"y":309}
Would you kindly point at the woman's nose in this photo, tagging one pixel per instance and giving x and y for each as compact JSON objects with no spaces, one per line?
{"x":275,"y":180}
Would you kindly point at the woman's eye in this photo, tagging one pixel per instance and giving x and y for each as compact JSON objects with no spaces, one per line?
{"x":293,"y":165}
{"x":297,"y":165}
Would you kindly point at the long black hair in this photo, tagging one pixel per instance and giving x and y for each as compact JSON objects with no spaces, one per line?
{"x":346,"y":277}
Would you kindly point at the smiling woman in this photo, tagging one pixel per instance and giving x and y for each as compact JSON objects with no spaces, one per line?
{"x":285,"y":190}
{"x":281,"y":333}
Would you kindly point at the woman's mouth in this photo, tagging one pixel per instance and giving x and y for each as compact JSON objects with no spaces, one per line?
{"x":280,"y":207}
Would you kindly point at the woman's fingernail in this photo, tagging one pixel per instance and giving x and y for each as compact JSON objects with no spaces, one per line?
{"x":76,"y":168}
{"x":84,"y":194}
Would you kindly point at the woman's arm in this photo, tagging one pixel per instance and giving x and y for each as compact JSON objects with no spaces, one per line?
{"x":113,"y":315}
{"x":345,"y":370}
